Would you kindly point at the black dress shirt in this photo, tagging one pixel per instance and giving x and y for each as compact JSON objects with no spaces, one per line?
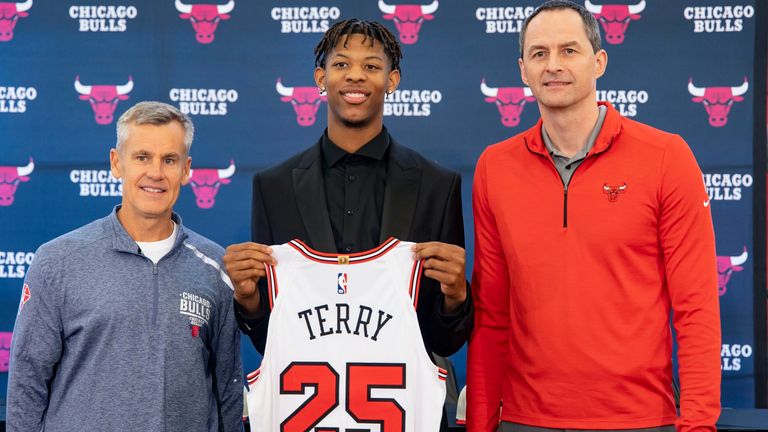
{"x":354,"y":192}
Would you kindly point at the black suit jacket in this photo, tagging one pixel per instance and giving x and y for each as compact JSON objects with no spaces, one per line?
{"x":422,"y":202}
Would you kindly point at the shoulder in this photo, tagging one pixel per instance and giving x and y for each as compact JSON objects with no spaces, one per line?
{"x":506,"y":152}
{"x":203,"y":244}
{"x":75,"y":242}
{"x":649,"y":137}
{"x":406,"y":157}
{"x":277,"y":173}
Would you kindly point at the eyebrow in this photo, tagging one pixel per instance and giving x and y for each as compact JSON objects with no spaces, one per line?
{"x":562,"y":45}
{"x":371,"y":57}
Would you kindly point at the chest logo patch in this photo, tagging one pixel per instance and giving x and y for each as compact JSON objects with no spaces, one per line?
{"x":25,"y":296}
{"x":197,"y":309}
{"x":341,"y":283}
{"x":613,"y":192}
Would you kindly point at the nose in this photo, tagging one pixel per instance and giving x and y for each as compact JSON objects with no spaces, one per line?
{"x":155,"y":169}
{"x":355,"y":73}
{"x":205,"y":38}
{"x":553,"y":63}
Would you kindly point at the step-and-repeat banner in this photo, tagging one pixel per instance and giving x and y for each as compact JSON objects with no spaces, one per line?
{"x":243,"y":70}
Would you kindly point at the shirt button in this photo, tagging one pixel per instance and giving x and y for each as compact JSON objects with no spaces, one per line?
{"x":350,"y":212}
{"x":567,"y":167}
{"x":348,"y":249}
{"x":351,"y":178}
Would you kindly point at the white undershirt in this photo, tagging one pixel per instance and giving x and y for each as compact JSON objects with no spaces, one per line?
{"x":158,"y":249}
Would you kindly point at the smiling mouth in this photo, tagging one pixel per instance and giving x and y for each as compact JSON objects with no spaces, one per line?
{"x":355,"y":97}
{"x":556,"y":84}
{"x":152,"y":189}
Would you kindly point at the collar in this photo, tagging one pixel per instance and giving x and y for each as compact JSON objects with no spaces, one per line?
{"x":123,"y":242}
{"x":374,"y":149}
{"x":611,"y":127}
{"x":582,"y":153}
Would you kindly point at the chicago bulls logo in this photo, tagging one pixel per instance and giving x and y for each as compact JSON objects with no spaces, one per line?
{"x":104,"y":98}
{"x":205,"y":18}
{"x":726,"y":266}
{"x":9,"y":16}
{"x":408,"y":18}
{"x":304,"y":100}
{"x":205,"y":183}
{"x":509,"y":100}
{"x":10,"y":177}
{"x":615,"y":18}
{"x":717,"y":100}
{"x":613,"y":192}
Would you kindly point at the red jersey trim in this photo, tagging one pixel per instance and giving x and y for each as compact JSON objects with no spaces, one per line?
{"x":333,"y":258}
{"x":271,"y":284}
{"x":415,"y":282}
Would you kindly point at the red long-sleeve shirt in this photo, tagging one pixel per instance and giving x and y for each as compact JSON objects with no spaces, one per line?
{"x":573,"y":291}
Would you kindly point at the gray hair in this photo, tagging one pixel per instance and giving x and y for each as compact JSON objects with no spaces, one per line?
{"x":591,"y":28}
{"x":154,"y":113}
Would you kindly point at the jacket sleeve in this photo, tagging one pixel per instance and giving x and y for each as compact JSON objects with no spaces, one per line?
{"x":488,"y":349}
{"x":35,"y":350}
{"x":256,"y":330}
{"x":228,"y":369}
{"x":445,"y":334}
{"x":687,"y":241}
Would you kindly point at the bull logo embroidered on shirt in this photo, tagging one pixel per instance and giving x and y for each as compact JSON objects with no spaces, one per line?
{"x":613,"y":192}
{"x":197,"y":308}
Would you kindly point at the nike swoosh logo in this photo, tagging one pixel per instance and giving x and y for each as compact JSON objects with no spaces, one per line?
{"x":706,"y":203}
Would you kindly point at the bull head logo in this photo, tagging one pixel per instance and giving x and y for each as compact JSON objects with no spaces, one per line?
{"x":717,"y":101}
{"x":5,"y":350}
{"x":509,"y":100}
{"x":304,"y":100}
{"x":615,"y":18}
{"x":408,"y":18}
{"x":726,"y":266}
{"x":613,"y":192}
{"x":10,"y":177}
{"x":205,"y":18}
{"x":205,"y":183}
{"x":104,"y":98}
{"x":9,"y":16}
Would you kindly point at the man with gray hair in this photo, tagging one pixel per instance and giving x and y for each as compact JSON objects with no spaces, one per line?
{"x":127,"y":323}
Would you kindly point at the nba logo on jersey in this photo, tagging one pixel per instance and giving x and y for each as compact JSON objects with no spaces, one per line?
{"x":341,"y":283}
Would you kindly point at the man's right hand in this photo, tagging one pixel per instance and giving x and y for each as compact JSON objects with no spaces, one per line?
{"x":245,"y":265}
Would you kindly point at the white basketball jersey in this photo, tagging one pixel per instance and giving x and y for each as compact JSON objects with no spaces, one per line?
{"x":344,"y":351}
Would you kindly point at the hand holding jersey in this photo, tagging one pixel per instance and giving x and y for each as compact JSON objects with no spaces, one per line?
{"x":245,"y":265}
{"x":445,"y":263}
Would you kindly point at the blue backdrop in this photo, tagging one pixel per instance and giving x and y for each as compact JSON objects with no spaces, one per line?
{"x":69,"y":68}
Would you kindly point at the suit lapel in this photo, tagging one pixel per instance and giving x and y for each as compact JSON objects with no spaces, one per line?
{"x":309,"y":188}
{"x":400,"y":194}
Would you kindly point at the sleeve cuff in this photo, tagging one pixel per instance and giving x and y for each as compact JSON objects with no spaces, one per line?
{"x":248,"y":325}
{"x":451,"y":318}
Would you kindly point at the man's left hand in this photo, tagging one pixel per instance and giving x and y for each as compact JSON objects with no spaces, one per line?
{"x":445,"y":263}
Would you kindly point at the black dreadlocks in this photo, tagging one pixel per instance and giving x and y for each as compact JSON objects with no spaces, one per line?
{"x":370,"y":29}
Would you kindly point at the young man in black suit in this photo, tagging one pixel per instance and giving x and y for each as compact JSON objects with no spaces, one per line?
{"x":356,"y":187}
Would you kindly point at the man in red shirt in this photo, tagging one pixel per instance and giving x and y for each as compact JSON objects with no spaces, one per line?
{"x":590,"y":230}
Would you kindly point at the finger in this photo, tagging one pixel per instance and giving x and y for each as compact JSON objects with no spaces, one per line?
{"x":250,"y":272}
{"x":441,"y":250}
{"x":444,"y":266}
{"x":446,"y":279}
{"x":258,"y":247}
{"x":248,"y":255}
